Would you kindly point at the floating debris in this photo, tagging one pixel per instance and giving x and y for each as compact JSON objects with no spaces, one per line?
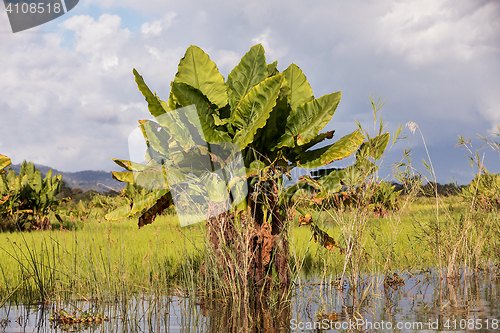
{"x":86,"y":317}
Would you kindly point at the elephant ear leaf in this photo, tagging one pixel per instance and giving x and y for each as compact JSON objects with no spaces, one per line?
{"x":202,"y":119}
{"x":304,"y":123}
{"x":119,"y":213}
{"x":199,"y":71}
{"x":272,"y":69}
{"x":154,"y":104}
{"x":160,"y":205}
{"x":300,"y":90}
{"x":255,"y":109}
{"x":251,"y":71}
{"x":344,"y":147}
{"x":4,"y":162}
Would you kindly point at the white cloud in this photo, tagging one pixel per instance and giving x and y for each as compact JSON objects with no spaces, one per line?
{"x":69,"y":97}
{"x":73,"y":108}
{"x":439,"y":30}
{"x":273,"y":51}
{"x":100,"y":40}
{"x":226,"y":60}
{"x":156,"y":27}
{"x":151,"y":29}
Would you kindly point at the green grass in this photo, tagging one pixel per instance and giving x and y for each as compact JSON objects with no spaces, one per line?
{"x":101,"y":258}
{"x":110,"y":260}
{"x":405,"y":240}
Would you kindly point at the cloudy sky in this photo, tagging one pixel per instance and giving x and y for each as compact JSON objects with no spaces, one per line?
{"x":68,"y":97}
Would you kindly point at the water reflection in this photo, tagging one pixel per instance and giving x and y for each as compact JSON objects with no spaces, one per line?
{"x":424,"y":302}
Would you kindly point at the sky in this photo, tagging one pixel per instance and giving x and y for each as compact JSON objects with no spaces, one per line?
{"x":68,"y":98}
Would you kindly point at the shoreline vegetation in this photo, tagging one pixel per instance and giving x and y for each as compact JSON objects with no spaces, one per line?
{"x":100,"y":259}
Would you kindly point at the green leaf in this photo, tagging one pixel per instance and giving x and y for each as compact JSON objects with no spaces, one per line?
{"x":186,"y":95}
{"x":216,"y":187}
{"x":305,"y":122}
{"x":154,"y":105}
{"x":331,"y":184}
{"x":255,"y":168}
{"x":174,"y":124}
{"x":4,"y":187}
{"x":147,"y":201}
{"x":254,"y":110}
{"x":344,"y":147}
{"x":119,"y":213}
{"x":297,"y":151}
{"x":4,"y":162}
{"x":36,"y":182}
{"x":251,"y":71}
{"x":300,"y":90}
{"x":272,"y":69}
{"x":295,"y":188}
{"x":268,"y":135}
{"x":157,"y":137}
{"x":199,"y":71}
{"x":127,"y":177}
{"x":129,"y":165}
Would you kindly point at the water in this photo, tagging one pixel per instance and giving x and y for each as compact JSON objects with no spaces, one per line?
{"x":425,"y":303}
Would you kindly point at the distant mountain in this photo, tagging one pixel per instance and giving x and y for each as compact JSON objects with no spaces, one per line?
{"x":100,"y":181}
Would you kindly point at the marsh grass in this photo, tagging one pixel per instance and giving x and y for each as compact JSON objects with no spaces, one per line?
{"x":100,"y":260}
{"x":103,"y":258}
{"x":117,"y":263}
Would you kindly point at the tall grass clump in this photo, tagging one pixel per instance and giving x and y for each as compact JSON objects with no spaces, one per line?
{"x":368,"y":195}
{"x":462,"y":238}
{"x":99,"y":261}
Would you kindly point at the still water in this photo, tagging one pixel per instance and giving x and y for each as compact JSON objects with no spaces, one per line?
{"x":420,"y":302}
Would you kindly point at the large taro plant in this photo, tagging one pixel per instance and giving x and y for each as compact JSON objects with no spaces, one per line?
{"x":27,"y":199}
{"x":229,"y":146}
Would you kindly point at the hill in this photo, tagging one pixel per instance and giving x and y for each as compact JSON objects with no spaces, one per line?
{"x":100,"y":181}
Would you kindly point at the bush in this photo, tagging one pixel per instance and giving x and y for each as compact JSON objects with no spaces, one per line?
{"x":483,"y":191}
{"x":26,"y":199}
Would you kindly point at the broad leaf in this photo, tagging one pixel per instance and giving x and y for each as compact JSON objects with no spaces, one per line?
{"x":127,"y":177}
{"x":251,"y":71}
{"x":305,"y":122}
{"x":272,"y":69}
{"x":175,"y":125}
{"x":160,"y":205}
{"x":154,"y":105}
{"x":255,"y":168}
{"x":254,"y":110}
{"x":331,"y":183}
{"x":344,"y":147}
{"x":129,"y":165}
{"x":119,"y":213}
{"x":199,"y":71}
{"x":186,"y":96}
{"x":300,"y":90}
{"x":297,"y":151}
{"x":4,"y":162}
{"x":275,"y":125}
{"x":157,"y":137}
{"x":147,"y":201}
{"x":216,"y":187}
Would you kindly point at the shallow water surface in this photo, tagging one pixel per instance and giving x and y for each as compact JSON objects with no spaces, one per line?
{"x":420,"y":303}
